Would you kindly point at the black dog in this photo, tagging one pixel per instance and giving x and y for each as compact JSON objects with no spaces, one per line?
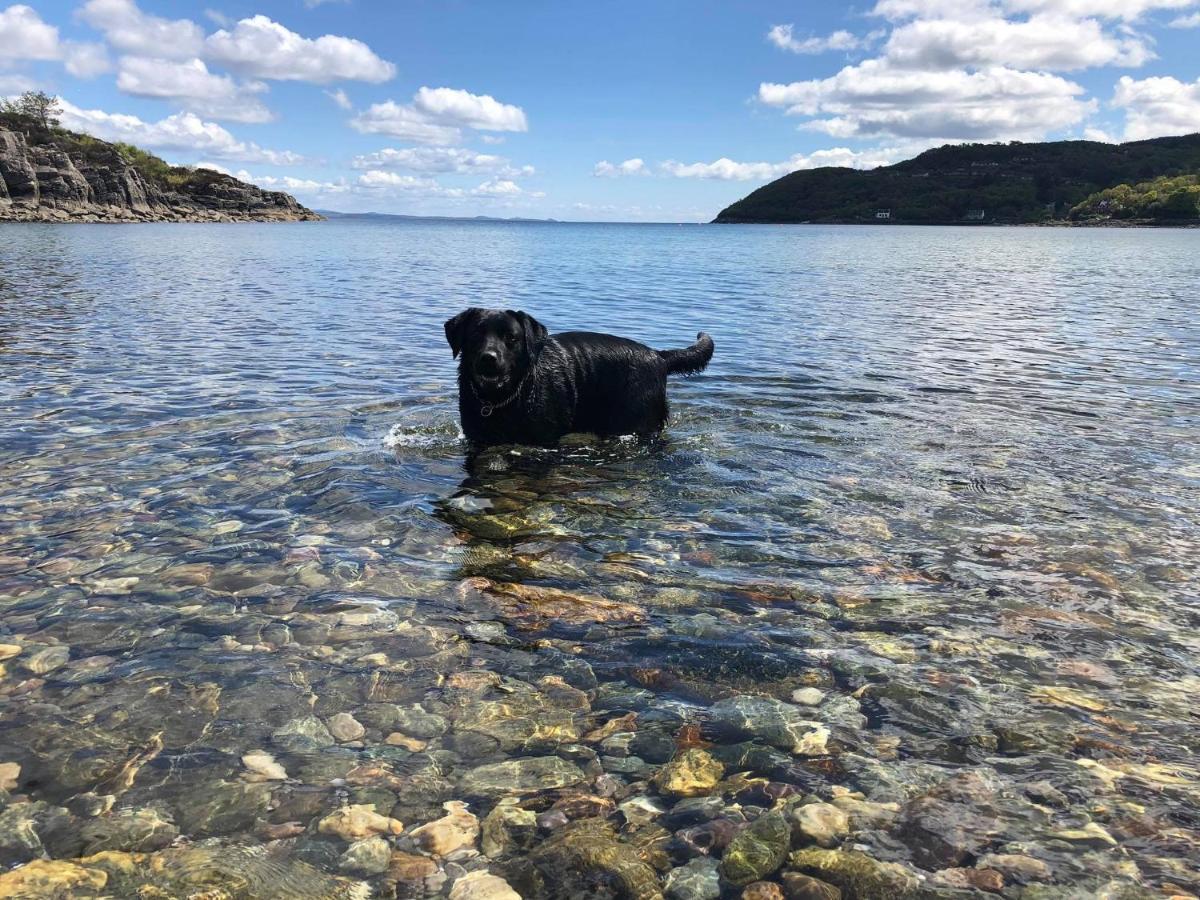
{"x":519,"y":385}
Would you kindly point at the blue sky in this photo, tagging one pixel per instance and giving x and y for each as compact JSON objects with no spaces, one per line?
{"x":651,"y":110}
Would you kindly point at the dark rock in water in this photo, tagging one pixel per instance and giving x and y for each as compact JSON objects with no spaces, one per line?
{"x":772,"y":721}
{"x":142,"y":830}
{"x":707,"y":838}
{"x":508,"y":829}
{"x":32,"y":830}
{"x":805,"y":887}
{"x":62,"y":177}
{"x":585,"y":858}
{"x":860,"y":877}
{"x":693,"y":811}
{"x":757,"y":851}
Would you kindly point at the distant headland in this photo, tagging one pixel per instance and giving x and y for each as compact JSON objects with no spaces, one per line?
{"x":1152,"y":182}
{"x":49,"y":174}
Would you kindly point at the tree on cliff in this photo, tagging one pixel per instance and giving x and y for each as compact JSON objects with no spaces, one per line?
{"x":43,"y":108}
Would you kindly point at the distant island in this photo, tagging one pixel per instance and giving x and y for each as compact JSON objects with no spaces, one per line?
{"x":1152,"y":182}
{"x":50,"y":174}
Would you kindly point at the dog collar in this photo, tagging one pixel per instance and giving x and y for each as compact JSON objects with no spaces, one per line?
{"x":486,"y":408}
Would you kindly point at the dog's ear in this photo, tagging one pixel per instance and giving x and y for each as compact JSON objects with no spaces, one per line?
{"x":456,"y":329}
{"x":534,"y":331}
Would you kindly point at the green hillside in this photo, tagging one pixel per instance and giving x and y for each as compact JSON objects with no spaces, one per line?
{"x":1001,"y":183}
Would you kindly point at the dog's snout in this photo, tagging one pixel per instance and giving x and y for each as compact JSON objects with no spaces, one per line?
{"x":489,"y":362}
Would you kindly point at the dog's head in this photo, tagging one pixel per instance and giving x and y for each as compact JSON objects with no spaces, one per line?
{"x":497,"y":346}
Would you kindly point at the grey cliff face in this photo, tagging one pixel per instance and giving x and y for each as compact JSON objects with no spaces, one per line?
{"x":46,"y":182}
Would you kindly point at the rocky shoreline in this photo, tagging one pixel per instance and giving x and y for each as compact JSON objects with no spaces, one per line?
{"x":92,"y":181}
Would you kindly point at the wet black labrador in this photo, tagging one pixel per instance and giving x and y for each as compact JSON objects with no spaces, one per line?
{"x":517,"y":384}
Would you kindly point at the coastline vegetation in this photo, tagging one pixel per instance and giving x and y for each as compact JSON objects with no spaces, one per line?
{"x":1014,"y":183}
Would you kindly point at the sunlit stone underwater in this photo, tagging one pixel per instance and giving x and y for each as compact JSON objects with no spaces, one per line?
{"x":904,"y":602}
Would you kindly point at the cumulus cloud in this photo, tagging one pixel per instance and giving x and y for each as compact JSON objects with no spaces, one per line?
{"x":453,"y":106}
{"x":877,"y":99}
{"x":440,"y":160}
{"x":782,"y":36}
{"x":1155,"y":107}
{"x":191,"y":84}
{"x":438,"y":115}
{"x":605,"y":169}
{"x":1192,"y":21}
{"x":263,"y":48}
{"x":725,"y":169}
{"x":1042,"y":42}
{"x":180,"y":132}
{"x":25,"y":36}
{"x":128,"y":29}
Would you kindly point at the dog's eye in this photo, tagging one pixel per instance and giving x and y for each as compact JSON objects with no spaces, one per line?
{"x":512,"y":339}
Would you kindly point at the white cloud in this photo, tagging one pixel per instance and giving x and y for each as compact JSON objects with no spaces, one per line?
{"x":15,"y":84}
{"x":437,"y":160}
{"x":493,"y":138}
{"x":1127,"y":10}
{"x":181,"y":132}
{"x":725,"y":169}
{"x":453,"y":106}
{"x":605,"y":169}
{"x":132,"y":31}
{"x":782,"y":37}
{"x":313,"y":4}
{"x":875,"y":99}
{"x":25,"y":36}
{"x":340,"y":98}
{"x":498,"y":187}
{"x":263,"y":48}
{"x":1155,"y":107}
{"x":404,"y":122}
{"x":438,"y":115}
{"x":1042,"y":42}
{"x":1192,"y":21}
{"x":394,"y":181}
{"x":218,"y":18}
{"x":191,"y":84}
{"x":1098,"y":134}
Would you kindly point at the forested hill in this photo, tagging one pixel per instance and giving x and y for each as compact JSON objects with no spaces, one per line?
{"x":1002,"y":183}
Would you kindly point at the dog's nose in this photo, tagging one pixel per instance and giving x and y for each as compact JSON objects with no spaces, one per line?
{"x":489,"y":362}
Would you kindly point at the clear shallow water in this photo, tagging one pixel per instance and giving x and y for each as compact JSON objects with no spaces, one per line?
{"x":947,"y":477}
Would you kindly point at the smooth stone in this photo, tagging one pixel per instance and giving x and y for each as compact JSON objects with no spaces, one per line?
{"x":698,"y":880}
{"x":808,"y":696}
{"x":52,"y":878}
{"x":482,"y":885}
{"x":762,"y":890}
{"x":1090,"y":835}
{"x":46,"y":660}
{"x":521,"y":776}
{"x":772,"y":721}
{"x":352,"y":823}
{"x":263,"y":764}
{"x":8,"y":651}
{"x":369,"y":856}
{"x":396,"y":739}
{"x":143,"y":830}
{"x":587,"y":851}
{"x":1016,"y":867}
{"x":640,"y":811}
{"x":805,"y":887}
{"x":758,"y":850}
{"x":969,"y":879}
{"x":507,"y":829}
{"x":454,"y":831}
{"x":859,"y":876}
{"x":344,"y":727}
{"x":10,"y":774}
{"x":820,"y":823}
{"x":411,"y":867}
{"x":690,"y":773}
{"x":304,"y":733}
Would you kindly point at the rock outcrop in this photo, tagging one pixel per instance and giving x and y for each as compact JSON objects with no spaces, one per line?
{"x":61,"y":177}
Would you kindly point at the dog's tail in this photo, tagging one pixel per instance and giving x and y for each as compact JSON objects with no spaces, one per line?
{"x":691,"y":359}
